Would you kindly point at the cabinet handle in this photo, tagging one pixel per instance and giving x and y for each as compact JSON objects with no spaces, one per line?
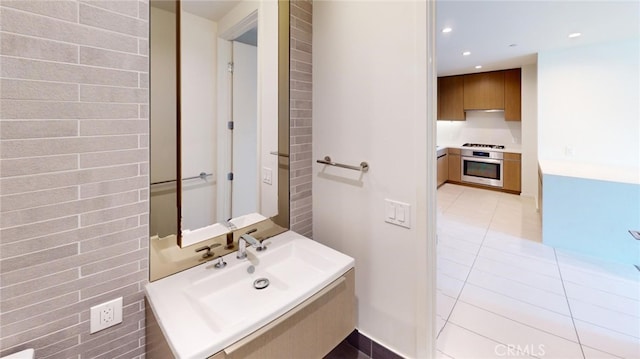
{"x":249,"y":338}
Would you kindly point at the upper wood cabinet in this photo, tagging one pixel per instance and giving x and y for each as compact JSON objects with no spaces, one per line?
{"x":484,"y":91}
{"x":512,"y":95}
{"x":495,"y":90}
{"x":450,"y":98}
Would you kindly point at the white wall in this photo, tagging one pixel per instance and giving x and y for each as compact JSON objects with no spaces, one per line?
{"x":268,"y":103}
{"x":163,"y":198}
{"x":530,"y":130}
{"x":480,"y":127}
{"x":370,"y":103}
{"x":588,"y":103}
{"x":198,"y":122}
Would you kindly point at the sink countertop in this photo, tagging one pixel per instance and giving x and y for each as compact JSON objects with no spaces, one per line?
{"x":181,"y":301}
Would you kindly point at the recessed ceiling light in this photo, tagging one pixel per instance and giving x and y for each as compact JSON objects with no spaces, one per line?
{"x":466,"y":53}
{"x":479,"y":67}
{"x":574,"y":34}
{"x":446,"y":30}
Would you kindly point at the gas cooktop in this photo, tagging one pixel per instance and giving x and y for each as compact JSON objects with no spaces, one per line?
{"x":484,"y":145}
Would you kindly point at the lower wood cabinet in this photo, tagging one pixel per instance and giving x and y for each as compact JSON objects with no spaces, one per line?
{"x":454,"y":165}
{"x":443,"y":168}
{"x":512,"y":172}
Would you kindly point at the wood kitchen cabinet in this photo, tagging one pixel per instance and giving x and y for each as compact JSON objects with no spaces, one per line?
{"x":451,"y":98}
{"x":512,"y":172}
{"x":484,"y":91}
{"x":512,"y":95}
{"x":443,"y":167}
{"x":454,"y":165}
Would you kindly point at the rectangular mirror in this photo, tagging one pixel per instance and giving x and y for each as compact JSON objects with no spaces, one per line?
{"x":219,"y":157}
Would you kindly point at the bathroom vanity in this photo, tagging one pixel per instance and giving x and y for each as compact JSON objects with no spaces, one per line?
{"x":295,"y":299}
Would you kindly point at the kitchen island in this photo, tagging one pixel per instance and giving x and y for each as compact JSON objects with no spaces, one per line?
{"x":590,"y":208}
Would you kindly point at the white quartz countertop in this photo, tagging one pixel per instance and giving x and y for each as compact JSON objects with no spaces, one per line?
{"x":599,"y":172}
{"x":514,"y":148}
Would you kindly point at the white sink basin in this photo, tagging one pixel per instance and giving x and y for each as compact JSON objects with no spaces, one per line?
{"x":203,"y":310}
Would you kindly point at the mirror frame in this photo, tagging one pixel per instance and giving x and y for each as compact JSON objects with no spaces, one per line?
{"x":282,"y":219}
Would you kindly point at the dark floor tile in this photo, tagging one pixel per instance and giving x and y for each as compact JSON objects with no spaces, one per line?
{"x":380,"y":352}
{"x":346,"y":351}
{"x":360,"y":342}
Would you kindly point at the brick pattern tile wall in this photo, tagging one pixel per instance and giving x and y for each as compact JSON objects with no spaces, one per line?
{"x":73,"y":175}
{"x":300,"y":17}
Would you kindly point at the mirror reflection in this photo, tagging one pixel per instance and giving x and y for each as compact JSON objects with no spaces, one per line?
{"x":163,"y":216}
{"x":228,"y":123}
{"x":215,"y":124}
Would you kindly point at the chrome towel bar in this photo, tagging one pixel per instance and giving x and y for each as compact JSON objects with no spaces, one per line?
{"x":364,"y":166}
{"x":276,"y":153}
{"x":202,"y":176}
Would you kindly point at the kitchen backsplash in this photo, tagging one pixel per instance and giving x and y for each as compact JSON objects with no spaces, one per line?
{"x":480,"y":127}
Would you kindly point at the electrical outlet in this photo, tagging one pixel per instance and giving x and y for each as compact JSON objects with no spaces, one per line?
{"x":106,"y":315}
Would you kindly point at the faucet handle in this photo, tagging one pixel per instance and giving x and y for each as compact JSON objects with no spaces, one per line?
{"x":207,"y":254}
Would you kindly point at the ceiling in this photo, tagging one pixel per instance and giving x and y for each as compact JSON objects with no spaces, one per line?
{"x":488,"y":28}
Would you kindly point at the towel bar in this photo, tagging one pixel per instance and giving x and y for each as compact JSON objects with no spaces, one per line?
{"x":202,"y":176}
{"x":364,"y":166}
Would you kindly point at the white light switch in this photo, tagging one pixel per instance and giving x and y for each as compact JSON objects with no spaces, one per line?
{"x":400,"y":214}
{"x":391,"y":210}
{"x":397,"y":213}
{"x":267,"y":175}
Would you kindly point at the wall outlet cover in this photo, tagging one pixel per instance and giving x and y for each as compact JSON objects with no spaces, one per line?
{"x":106,"y":315}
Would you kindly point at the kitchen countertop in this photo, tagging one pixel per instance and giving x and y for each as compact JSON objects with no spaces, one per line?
{"x":599,"y":172}
{"x":514,"y":148}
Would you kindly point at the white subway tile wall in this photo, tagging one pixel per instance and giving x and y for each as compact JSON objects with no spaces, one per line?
{"x":73,"y":175}
{"x":300,"y":17}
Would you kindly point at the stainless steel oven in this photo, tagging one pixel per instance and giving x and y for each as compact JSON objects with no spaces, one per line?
{"x":482,"y":167}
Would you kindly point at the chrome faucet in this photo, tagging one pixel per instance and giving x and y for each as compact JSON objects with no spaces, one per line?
{"x":245,"y":239}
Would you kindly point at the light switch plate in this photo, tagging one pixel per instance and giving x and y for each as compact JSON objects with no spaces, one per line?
{"x":267,"y":175}
{"x":398,"y":213}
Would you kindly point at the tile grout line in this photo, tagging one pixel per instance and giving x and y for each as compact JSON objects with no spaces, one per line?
{"x":569,"y":304}
{"x":487,"y":338}
{"x":470,"y":268}
{"x":516,"y":321}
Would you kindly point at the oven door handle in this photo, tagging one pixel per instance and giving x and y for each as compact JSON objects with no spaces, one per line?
{"x":481,"y":159}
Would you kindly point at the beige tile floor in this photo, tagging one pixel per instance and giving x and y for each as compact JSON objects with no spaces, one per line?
{"x":502,"y":293}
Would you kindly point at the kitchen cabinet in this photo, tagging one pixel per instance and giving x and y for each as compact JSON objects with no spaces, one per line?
{"x":512,"y":172}
{"x":454,"y":164}
{"x":484,"y":91}
{"x":443,"y":167}
{"x":451,"y":98}
{"x":512,"y":95}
